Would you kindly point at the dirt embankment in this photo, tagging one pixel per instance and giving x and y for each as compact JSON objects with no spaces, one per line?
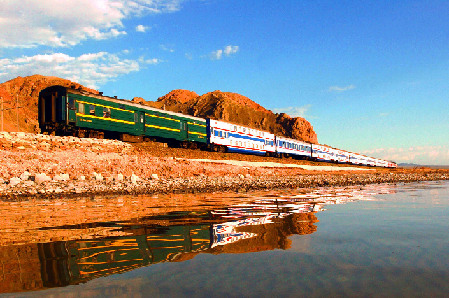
{"x":41,"y":165}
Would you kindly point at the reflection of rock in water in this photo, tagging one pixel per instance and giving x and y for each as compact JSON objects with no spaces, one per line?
{"x":271,"y":235}
{"x":20,"y":268}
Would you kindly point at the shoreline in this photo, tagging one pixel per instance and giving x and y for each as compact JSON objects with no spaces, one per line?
{"x":240,"y":183}
{"x":43,"y":166}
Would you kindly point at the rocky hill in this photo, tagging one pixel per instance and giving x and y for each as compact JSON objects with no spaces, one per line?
{"x":227,"y":106}
{"x":25,"y":92}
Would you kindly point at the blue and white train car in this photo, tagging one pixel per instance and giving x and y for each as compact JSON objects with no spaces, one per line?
{"x":322,"y":153}
{"x":341,"y":156}
{"x":237,"y":138}
{"x":356,"y":159}
{"x":392,"y":164}
{"x":290,"y":147}
{"x":370,"y":161}
{"x":380,"y":163}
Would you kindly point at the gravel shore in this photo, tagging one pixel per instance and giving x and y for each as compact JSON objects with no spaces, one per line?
{"x":35,"y":165}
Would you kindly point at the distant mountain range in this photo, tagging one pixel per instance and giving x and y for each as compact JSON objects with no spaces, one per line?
{"x":414,"y":165}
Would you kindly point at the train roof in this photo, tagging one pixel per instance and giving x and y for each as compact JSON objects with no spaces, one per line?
{"x":294,"y":140}
{"x":123,"y":101}
{"x":232,"y":123}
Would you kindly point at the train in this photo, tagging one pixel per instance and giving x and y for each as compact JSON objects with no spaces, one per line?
{"x":68,"y":111}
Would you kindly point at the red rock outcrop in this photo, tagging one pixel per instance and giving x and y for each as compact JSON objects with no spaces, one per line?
{"x":139,"y":100}
{"x":178,"y":96}
{"x":25,"y":91}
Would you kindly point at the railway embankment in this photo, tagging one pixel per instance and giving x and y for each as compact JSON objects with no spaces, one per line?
{"x":45,"y":166}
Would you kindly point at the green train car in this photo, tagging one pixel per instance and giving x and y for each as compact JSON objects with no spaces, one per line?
{"x":67,"y":111}
{"x":74,"y":262}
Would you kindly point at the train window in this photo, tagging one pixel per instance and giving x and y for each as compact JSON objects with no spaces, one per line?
{"x":106,"y":112}
{"x":71,"y":103}
{"x":92,"y":109}
{"x":216,"y":133}
{"x":211,"y":131}
{"x":121,"y":106}
{"x":80,"y":108}
{"x":244,"y":129}
{"x":136,"y":117}
{"x":235,"y":128}
{"x":141,"y":118}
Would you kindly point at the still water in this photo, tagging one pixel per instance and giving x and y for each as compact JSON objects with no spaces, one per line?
{"x":377,"y":240}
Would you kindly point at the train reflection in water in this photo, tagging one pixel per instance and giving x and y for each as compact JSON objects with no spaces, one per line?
{"x":263,"y":225}
{"x":249,"y":229}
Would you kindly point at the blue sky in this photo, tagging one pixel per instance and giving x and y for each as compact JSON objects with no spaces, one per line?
{"x":370,"y":76}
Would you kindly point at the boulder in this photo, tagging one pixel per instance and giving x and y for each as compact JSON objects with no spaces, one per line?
{"x":134,"y":178}
{"x":97,"y":176}
{"x":119,"y":177}
{"x":14,"y":181}
{"x":41,"y":177}
{"x":25,"y":175}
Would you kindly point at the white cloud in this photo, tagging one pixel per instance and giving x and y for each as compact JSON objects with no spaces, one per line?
{"x":166,"y":48}
{"x":341,"y":89}
{"x":227,"y":51}
{"x":61,"y":23}
{"x":142,"y":28}
{"x":149,"y":61}
{"x":92,"y":69}
{"x":425,"y":155}
{"x":217,"y":55}
{"x":294,"y":111}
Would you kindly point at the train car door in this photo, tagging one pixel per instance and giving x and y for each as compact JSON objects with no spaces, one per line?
{"x":71,"y":109}
{"x":139,"y":119}
{"x":184,"y":131}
